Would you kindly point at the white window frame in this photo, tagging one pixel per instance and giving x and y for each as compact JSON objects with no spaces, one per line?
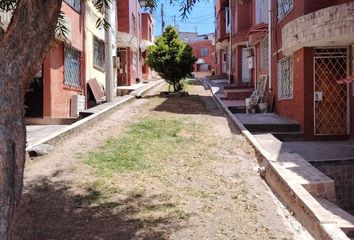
{"x":285,"y":78}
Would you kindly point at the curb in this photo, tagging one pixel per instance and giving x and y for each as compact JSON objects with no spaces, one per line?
{"x":83,"y":123}
{"x":322,"y":230}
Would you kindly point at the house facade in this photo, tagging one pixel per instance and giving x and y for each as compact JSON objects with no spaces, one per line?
{"x":147,"y":39}
{"x":62,"y":74}
{"x":311,"y":52}
{"x":128,"y":42}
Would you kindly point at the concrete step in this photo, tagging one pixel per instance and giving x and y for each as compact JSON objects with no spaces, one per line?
{"x":344,"y":220}
{"x":289,"y":136}
{"x":237,"y":109}
{"x":268,"y":123}
{"x":272,"y":128}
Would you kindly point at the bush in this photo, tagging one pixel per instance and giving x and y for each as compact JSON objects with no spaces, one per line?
{"x":171,"y":58}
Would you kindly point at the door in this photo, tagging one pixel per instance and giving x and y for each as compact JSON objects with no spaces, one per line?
{"x":245,"y":68}
{"x":331,"y":112}
{"x":34,"y":97}
{"x":122,"y":68}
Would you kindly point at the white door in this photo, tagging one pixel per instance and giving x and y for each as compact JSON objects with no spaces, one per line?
{"x":245,"y":69}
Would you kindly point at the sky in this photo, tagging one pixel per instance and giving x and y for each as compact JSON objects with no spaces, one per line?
{"x":201,"y":18}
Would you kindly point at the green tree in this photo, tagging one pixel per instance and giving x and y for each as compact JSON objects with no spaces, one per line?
{"x":171,"y":58}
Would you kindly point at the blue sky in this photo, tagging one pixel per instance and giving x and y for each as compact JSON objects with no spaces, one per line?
{"x":200,"y":18}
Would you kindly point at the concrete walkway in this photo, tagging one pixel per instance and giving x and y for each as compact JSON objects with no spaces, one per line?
{"x":295,"y":180}
{"x":40,"y":134}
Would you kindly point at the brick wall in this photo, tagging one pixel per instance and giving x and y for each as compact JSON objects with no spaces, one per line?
{"x":342,"y":172}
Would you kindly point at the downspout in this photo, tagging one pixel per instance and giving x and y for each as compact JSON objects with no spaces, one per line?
{"x":230,"y":39}
{"x":270,"y":44}
{"x":108,"y":54}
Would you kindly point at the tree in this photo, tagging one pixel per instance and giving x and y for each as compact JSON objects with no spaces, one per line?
{"x":171,"y":58}
{"x":23,"y":47}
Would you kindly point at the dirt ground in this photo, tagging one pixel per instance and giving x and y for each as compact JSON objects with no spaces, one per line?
{"x":204,"y":186}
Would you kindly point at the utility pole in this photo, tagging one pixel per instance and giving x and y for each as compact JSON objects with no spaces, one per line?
{"x":162,"y":19}
{"x":108,"y":54}
{"x":174,"y":21}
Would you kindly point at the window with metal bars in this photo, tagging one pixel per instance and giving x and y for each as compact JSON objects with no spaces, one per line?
{"x":72,"y":70}
{"x":98,"y":53}
{"x":285,"y":78}
{"x":75,"y":4}
{"x":264,"y":54}
{"x":284,"y":7}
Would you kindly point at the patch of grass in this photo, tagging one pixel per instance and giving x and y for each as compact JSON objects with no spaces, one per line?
{"x":141,"y":147}
{"x":188,"y":84}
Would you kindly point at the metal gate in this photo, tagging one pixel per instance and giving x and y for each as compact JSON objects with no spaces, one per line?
{"x":331,"y":111}
{"x":122,"y":68}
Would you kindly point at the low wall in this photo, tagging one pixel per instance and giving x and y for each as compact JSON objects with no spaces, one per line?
{"x":342,"y":172}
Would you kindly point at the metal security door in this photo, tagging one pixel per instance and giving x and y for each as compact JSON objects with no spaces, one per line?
{"x":331,"y":112}
{"x":122,"y":68}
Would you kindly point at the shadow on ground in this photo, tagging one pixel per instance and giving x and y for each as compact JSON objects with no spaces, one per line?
{"x":51,"y":211}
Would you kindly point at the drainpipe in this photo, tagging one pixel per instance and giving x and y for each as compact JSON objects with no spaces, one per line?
{"x":230,"y":39}
{"x":108,"y":54}
{"x":270,"y":44}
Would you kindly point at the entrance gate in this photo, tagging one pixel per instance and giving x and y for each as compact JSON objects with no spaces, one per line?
{"x":122,"y":68}
{"x":331,"y":111}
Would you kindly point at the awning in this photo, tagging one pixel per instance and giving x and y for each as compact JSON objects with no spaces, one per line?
{"x":200,"y":61}
{"x":346,"y":80}
{"x":263,"y":28}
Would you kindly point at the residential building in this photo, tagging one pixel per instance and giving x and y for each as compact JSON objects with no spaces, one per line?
{"x":313,"y":49}
{"x":128,"y":42}
{"x":147,"y":30}
{"x":222,"y":36}
{"x":62,"y":75}
{"x":203,"y":50}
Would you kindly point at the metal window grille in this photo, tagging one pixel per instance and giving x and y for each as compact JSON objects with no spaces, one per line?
{"x":75,"y":4}
{"x":285,"y":78}
{"x":133,"y":23}
{"x":264,"y":54}
{"x":98,"y":53}
{"x":284,"y":7}
{"x":204,"y":52}
{"x":72,"y":66}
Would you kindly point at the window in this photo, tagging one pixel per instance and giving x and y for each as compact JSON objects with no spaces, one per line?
{"x":262,"y":11}
{"x":98,"y":53}
{"x":227,"y":19}
{"x":264,"y":54}
{"x":133,"y":24}
{"x":75,"y":4}
{"x":72,"y":66}
{"x":204,"y":52}
{"x":284,"y":7}
{"x":285,"y":78}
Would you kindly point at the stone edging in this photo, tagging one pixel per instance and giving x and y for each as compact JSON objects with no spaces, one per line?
{"x":81,"y":124}
{"x":294,"y":194}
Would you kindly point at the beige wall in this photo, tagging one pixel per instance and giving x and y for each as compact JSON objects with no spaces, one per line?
{"x":91,"y":16}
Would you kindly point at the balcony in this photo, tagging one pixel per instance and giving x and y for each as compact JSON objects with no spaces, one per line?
{"x":332,"y":26}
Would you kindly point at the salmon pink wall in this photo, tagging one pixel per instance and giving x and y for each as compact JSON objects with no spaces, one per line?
{"x":57,"y":95}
